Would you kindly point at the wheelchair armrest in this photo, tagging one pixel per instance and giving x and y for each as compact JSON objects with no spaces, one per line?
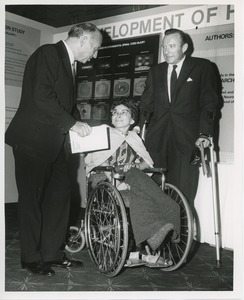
{"x":147,"y":170}
{"x":155,"y":170}
{"x":104,"y":168}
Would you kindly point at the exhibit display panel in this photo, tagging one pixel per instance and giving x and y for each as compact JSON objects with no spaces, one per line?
{"x":119,"y":71}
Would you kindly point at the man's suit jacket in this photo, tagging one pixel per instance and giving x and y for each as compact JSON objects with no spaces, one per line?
{"x":189,"y":114}
{"x":47,"y":104}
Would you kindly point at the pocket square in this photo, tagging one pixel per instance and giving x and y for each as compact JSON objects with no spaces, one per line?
{"x":189,"y":79}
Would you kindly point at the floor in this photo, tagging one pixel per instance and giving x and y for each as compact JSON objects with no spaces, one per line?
{"x":199,"y":274}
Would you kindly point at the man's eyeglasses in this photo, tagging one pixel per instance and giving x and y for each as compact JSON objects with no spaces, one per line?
{"x":123,"y":112}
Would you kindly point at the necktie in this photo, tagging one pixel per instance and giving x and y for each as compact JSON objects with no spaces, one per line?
{"x":173,"y":81}
{"x":122,"y":154}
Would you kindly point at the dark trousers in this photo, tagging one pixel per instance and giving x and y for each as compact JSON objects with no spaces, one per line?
{"x":43,"y":206}
{"x":179,"y":170}
{"x":183,"y":175}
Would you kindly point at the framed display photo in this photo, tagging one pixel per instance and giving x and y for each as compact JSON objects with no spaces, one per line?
{"x":119,"y":71}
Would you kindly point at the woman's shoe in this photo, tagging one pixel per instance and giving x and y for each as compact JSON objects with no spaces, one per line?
{"x":134,"y":263}
{"x":134,"y":260}
{"x":156,"y":261}
{"x":160,"y":263}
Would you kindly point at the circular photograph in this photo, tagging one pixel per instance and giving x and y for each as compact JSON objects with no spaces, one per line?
{"x":121,"y":88}
{"x":102,"y":89}
{"x":84,"y":89}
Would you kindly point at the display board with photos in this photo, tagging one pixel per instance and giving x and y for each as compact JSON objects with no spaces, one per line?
{"x":119,"y":71}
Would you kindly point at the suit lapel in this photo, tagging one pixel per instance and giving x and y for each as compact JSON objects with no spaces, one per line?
{"x":165,"y":72}
{"x":187,"y":66}
{"x":65,"y":57}
{"x":67,"y":66}
{"x":162,"y":73}
{"x":163,"y":85}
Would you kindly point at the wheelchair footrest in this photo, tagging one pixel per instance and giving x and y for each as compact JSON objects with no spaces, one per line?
{"x":134,"y":263}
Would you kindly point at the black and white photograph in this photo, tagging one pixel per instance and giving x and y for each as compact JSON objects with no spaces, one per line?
{"x":157,"y":213}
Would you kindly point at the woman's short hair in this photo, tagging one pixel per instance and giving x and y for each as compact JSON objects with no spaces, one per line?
{"x":130,"y":104}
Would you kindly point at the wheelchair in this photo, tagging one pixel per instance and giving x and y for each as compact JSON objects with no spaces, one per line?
{"x":106,"y":227}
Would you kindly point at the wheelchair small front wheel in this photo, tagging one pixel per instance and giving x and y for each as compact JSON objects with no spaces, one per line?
{"x":76,"y":240}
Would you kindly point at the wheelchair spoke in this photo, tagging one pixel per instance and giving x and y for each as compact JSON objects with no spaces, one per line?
{"x":106,"y":230}
{"x":105,"y":225}
{"x":178,"y":252}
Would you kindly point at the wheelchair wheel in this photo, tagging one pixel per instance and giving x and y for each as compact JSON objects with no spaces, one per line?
{"x":178,"y":252}
{"x":106,"y":229}
{"x":76,"y":240}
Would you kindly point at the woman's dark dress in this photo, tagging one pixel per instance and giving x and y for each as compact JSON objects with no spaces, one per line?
{"x":150,"y":208}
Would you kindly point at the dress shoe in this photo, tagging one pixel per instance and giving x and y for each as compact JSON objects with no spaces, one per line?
{"x":66,"y":263}
{"x":38,"y":268}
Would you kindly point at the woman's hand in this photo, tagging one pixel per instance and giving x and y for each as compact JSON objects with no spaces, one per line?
{"x":123,"y":186}
{"x":140,"y":165}
{"x":128,"y":166}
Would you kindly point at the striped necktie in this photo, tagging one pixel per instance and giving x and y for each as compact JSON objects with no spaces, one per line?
{"x":122,"y":155}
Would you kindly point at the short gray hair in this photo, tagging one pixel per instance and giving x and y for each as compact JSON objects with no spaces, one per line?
{"x":79,"y":29}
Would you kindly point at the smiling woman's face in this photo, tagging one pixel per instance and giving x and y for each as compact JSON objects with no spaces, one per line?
{"x":121,"y":117}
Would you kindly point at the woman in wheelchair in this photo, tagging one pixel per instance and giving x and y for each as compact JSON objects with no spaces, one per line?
{"x":153,"y":214}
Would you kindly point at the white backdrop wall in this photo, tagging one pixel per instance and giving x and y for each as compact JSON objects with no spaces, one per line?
{"x":12,"y":98}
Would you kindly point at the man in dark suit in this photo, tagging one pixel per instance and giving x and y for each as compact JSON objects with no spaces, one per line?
{"x":37,"y":134}
{"x":180,"y":97}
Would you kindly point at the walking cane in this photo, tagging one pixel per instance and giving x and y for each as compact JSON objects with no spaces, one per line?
{"x":214,"y":197}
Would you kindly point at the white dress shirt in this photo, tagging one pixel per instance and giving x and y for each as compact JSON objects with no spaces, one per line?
{"x":170,"y":69}
{"x":72,"y":60}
